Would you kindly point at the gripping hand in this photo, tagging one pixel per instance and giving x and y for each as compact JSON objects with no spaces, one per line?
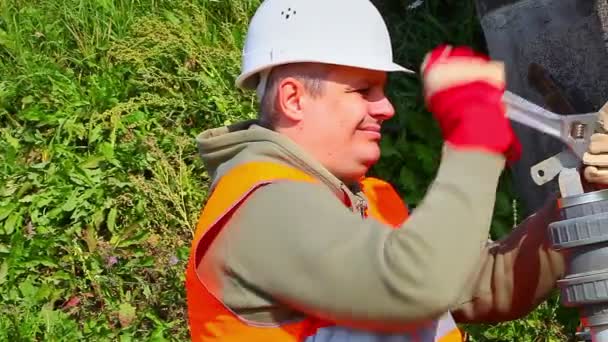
{"x":464,"y":89}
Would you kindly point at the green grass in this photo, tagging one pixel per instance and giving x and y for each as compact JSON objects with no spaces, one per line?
{"x":100,"y":182}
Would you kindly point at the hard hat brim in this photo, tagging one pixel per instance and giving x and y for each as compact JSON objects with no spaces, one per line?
{"x":249,"y":80}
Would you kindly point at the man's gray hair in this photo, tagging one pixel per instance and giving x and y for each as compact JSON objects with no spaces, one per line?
{"x":311,"y":75}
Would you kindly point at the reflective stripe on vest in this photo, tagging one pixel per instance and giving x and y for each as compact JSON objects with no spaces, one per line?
{"x":211,"y":320}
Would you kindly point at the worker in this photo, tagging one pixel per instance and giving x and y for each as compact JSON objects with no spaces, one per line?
{"x":297,"y":243}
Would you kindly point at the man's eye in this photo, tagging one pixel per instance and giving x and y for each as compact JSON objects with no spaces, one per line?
{"x":363,"y":91}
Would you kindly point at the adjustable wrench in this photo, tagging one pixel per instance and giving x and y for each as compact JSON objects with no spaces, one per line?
{"x":574,"y":130}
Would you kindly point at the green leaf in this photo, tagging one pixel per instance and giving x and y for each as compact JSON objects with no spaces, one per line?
{"x":388,"y":149}
{"x":80,"y":103}
{"x":71,"y":202}
{"x":107,"y":150}
{"x":24,"y":188}
{"x":170,"y":16}
{"x":44,"y":292}
{"x":137,"y":116}
{"x":92,"y":163}
{"x":4,"y":248}
{"x":90,"y":238}
{"x":28,"y":291}
{"x":39,"y":166}
{"x":135,"y":240}
{"x":406,"y":177}
{"x":111,"y":219}
{"x":37,"y":262}
{"x":62,"y":275}
{"x":14,"y":143}
{"x":3,"y":271}
{"x":95,"y":134}
{"x":27,"y":100}
{"x":7,"y":210}
{"x":12,"y":221}
{"x":126,"y":314}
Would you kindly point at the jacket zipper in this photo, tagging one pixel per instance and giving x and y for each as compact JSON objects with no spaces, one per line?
{"x":360,"y":204}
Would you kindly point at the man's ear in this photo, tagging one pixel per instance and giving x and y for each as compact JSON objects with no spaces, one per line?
{"x":290,"y":98}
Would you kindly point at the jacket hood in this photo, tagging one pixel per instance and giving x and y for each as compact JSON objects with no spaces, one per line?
{"x":217,"y":146}
{"x":223,"y":148}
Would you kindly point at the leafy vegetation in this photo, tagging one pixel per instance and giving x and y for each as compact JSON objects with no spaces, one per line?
{"x":100,"y":181}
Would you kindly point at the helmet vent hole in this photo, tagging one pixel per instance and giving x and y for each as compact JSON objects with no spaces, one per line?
{"x":288,"y":13}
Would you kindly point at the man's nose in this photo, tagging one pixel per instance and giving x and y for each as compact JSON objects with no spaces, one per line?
{"x":382,"y":109}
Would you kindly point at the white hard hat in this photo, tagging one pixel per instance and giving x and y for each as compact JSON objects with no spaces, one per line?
{"x":343,"y":32}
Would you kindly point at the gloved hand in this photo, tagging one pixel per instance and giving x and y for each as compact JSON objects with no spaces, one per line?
{"x":596,"y":160}
{"x":464,"y":91}
{"x":596,"y":157}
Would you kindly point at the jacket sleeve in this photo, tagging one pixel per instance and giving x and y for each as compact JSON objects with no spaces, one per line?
{"x":518,"y":272}
{"x":300,"y":246}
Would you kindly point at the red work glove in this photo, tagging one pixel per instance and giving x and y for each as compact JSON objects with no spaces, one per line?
{"x":464,"y":91}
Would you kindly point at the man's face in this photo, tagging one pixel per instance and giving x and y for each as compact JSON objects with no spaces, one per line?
{"x":343,"y":124}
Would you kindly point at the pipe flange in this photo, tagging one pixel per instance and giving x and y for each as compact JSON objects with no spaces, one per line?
{"x":583,"y":210}
{"x":595,"y":314}
{"x":579,"y":231}
{"x":588,"y":197}
{"x":584,"y":288}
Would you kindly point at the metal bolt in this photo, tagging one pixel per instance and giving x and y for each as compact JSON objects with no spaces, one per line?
{"x":577,"y":130}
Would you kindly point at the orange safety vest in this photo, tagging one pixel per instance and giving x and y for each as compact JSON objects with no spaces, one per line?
{"x":211,"y":320}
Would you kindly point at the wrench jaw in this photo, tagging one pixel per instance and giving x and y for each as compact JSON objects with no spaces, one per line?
{"x":577,"y":131}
